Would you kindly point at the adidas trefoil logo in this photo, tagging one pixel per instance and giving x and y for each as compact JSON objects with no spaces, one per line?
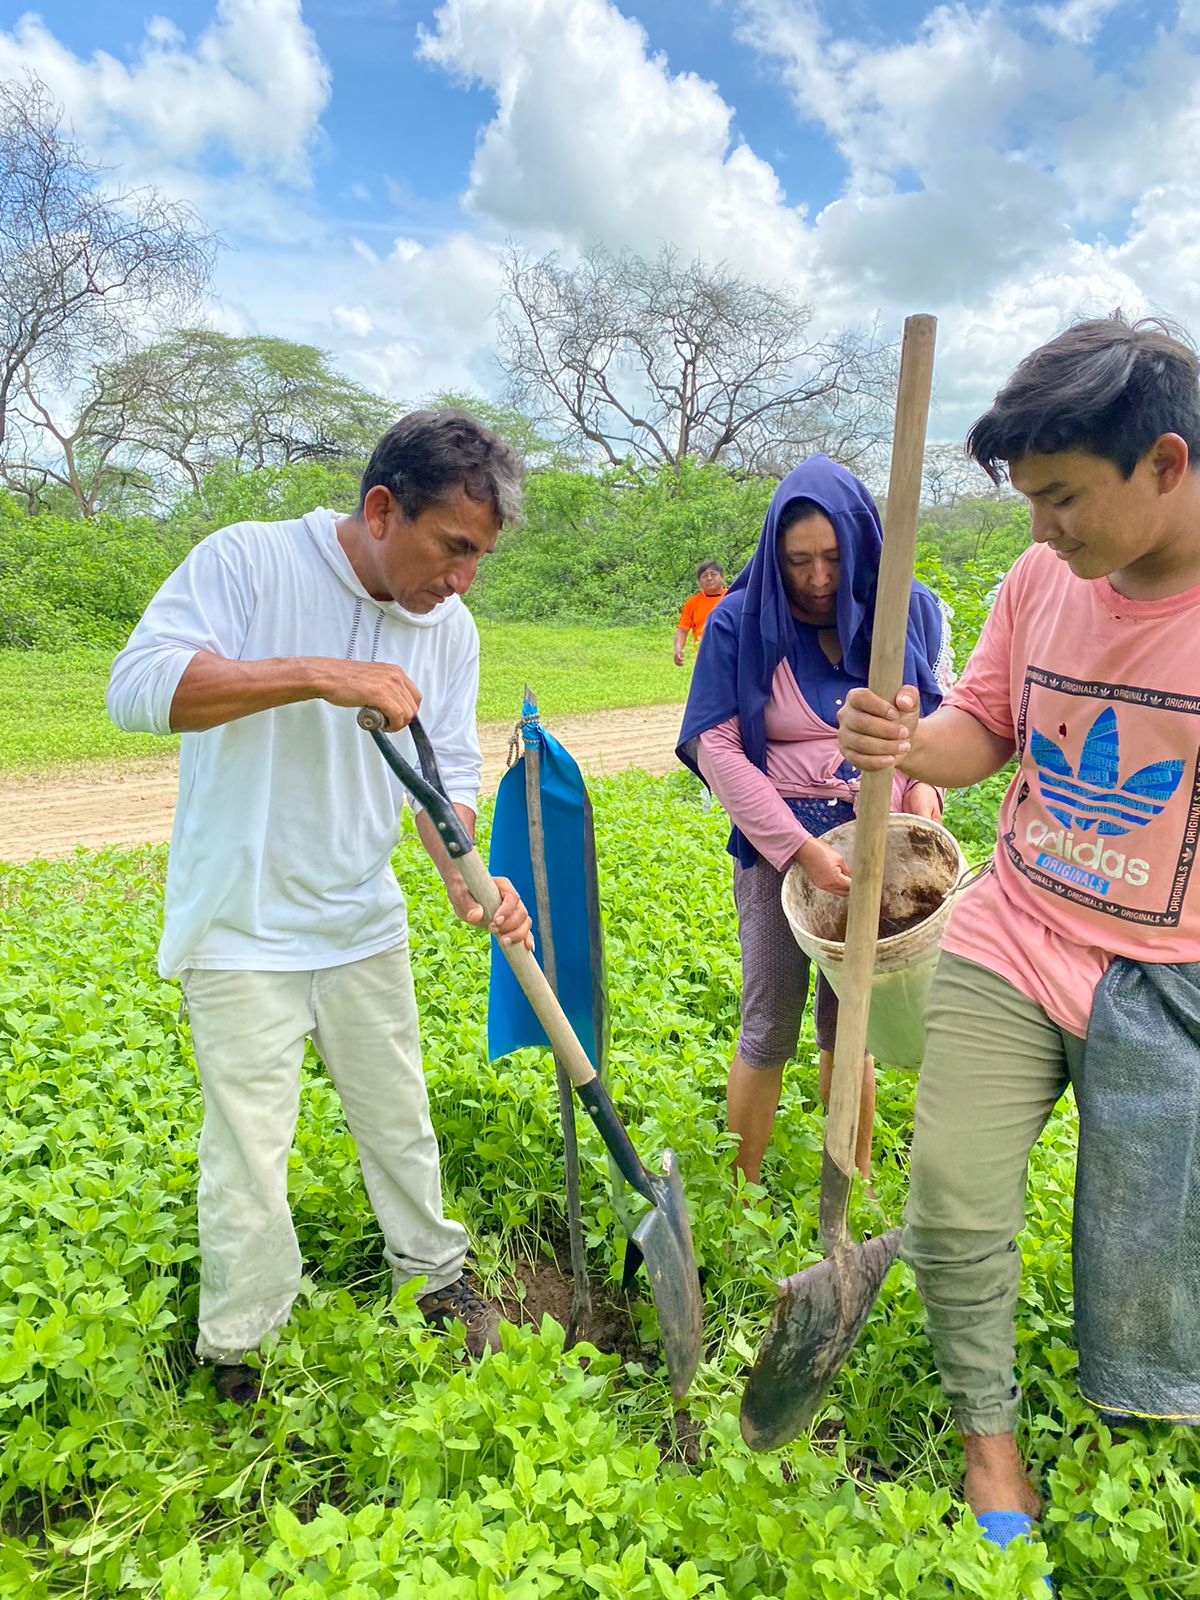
{"x":1094,"y":797}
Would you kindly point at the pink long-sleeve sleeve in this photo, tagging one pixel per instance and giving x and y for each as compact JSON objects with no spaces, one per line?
{"x":752,"y":801}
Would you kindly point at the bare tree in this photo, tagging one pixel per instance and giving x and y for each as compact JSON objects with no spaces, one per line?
{"x":203,"y":397}
{"x":161,"y":416}
{"x":664,"y":359}
{"x":949,"y":475}
{"x":80,"y":265}
{"x":88,"y":458}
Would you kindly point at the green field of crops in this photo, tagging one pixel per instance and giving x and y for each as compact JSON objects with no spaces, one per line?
{"x":382,"y":1464}
{"x":52,"y":702}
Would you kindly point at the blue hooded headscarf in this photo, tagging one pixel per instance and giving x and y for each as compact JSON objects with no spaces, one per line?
{"x":753,"y":630}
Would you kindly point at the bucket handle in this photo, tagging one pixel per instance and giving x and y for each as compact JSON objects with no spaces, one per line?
{"x":972,"y":875}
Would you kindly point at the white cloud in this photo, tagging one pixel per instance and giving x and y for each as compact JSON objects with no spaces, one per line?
{"x":1076,"y":20}
{"x":253,"y":85}
{"x":404,"y":250}
{"x":991,"y":174}
{"x":595,"y":138}
{"x":408,"y":324}
{"x":353,"y":319}
{"x":966,"y":81}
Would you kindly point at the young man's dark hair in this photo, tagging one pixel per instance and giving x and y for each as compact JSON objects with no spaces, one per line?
{"x":709,"y":566}
{"x":427,"y":455}
{"x":1107,"y":386}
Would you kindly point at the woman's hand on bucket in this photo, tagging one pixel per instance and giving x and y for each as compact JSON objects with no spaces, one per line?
{"x":824,"y":866}
{"x":873,"y":734}
{"x":923,"y":800}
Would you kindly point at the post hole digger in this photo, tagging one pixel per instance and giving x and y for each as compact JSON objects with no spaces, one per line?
{"x":821,"y":1310}
{"x":664,"y":1234}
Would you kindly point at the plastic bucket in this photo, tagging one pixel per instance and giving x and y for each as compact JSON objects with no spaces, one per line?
{"x":923,"y":866}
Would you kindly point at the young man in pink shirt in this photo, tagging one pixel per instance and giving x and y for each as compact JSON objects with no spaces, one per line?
{"x":1088,"y":670}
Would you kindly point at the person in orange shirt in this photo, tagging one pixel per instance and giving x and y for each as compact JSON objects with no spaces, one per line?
{"x":710,"y":575}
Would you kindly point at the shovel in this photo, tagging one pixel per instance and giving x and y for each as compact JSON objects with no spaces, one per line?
{"x":821,"y":1310}
{"x":664,"y":1234}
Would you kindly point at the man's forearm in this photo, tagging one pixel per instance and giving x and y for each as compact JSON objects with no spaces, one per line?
{"x":214,"y":690}
{"x":680,"y":640}
{"x":952,"y":750}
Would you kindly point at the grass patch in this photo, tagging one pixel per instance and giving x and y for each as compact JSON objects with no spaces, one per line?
{"x":52,"y":703}
{"x":576,"y":669}
{"x":52,"y":713}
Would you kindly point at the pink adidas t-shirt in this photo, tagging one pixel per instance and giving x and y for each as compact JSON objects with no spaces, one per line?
{"x":1097,"y":834}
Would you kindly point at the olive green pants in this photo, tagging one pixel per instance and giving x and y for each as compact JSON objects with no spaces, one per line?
{"x":995,"y":1065}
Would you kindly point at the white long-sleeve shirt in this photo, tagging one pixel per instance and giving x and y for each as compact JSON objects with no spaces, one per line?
{"x":286,"y":819}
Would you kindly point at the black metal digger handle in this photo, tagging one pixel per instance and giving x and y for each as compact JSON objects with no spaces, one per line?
{"x":595,"y":1101}
{"x":426,"y":785}
{"x":428,"y":788}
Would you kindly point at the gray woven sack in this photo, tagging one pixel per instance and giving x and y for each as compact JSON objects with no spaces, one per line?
{"x":1137,"y":1195}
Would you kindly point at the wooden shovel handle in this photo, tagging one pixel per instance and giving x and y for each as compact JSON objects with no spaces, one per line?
{"x":530,"y":976}
{"x":889,"y":632}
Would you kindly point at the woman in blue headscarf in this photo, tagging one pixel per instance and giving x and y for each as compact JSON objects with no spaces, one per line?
{"x":780,"y":653}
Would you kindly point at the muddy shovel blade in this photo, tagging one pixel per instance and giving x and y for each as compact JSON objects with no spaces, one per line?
{"x":818,"y":1316}
{"x":664,"y":1238}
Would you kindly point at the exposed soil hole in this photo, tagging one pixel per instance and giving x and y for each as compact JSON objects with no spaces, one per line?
{"x":545,"y":1289}
{"x":925,"y":900}
{"x":542,"y":1288}
{"x":684,"y":1441}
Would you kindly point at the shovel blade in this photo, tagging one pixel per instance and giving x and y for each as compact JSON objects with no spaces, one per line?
{"x":664,"y":1238}
{"x":818,"y":1316}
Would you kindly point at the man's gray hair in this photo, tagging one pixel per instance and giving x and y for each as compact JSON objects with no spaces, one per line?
{"x":427,"y":455}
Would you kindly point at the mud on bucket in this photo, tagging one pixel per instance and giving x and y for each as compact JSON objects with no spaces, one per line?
{"x":922,"y":867}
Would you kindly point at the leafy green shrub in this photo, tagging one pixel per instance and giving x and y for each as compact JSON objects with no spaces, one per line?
{"x":593,"y":548}
{"x":989,"y":531}
{"x":613,"y":548}
{"x":65,"y":581}
{"x":227,"y":494}
{"x":378,"y":1464}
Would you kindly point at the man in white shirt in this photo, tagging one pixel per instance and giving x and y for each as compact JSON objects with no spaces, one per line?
{"x":283,"y":919}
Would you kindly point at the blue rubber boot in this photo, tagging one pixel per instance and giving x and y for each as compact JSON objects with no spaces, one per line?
{"x":1002,"y":1527}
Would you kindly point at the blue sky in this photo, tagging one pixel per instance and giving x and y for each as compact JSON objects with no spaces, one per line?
{"x":1004,"y":166}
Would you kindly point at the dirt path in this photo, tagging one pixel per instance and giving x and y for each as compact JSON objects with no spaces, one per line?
{"x":103,"y":805}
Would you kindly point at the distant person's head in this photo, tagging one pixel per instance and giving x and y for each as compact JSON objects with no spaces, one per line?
{"x":1100,"y":430}
{"x":710,"y":575}
{"x":437,"y":490}
{"x":809,"y":559}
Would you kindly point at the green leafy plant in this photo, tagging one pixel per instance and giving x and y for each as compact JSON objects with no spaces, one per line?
{"x":380,"y":1463}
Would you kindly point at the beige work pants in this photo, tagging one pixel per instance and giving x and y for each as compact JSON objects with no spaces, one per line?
{"x":248,"y":1030}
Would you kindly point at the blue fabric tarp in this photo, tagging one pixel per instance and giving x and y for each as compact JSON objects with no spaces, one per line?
{"x":574,"y":909}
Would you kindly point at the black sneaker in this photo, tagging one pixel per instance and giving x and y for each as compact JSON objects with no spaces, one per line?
{"x":461,"y":1301}
{"x":234,"y":1380}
